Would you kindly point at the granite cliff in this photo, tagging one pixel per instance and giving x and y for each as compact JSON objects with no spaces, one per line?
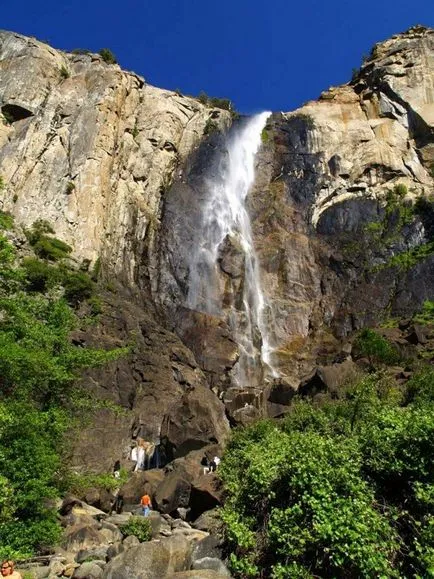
{"x":117,"y":166}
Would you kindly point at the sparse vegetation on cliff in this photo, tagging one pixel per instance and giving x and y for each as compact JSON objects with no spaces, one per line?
{"x":108,"y":56}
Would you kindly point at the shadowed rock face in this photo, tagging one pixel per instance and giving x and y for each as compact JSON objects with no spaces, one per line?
{"x":324,"y":231}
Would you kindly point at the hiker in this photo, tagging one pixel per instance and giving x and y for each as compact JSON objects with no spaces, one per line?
{"x":206,"y":464}
{"x":118,"y":499}
{"x":118,"y":502}
{"x":8,"y":570}
{"x":145,"y":501}
{"x":214,"y":464}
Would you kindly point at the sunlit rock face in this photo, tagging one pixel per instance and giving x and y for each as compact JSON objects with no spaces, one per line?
{"x":121,"y":168}
{"x":96,"y":152}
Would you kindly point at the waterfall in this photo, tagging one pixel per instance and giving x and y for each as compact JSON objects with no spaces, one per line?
{"x":225,"y":225}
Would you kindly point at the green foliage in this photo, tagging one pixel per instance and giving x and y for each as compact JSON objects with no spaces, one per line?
{"x":64,"y":72}
{"x":78,"y":286}
{"x":6,"y":220}
{"x":138,"y":526}
{"x":400,"y":190}
{"x":38,"y":368}
{"x":79,"y":484}
{"x":2,"y":183}
{"x":377,"y":349}
{"x":408,"y":259}
{"x":107,"y":56}
{"x":215,"y":102}
{"x":426,"y":316}
{"x":70,"y":187}
{"x":39,"y":228}
{"x":51,"y":248}
{"x":210,"y":127}
{"x":40,"y":275}
{"x":44,"y":245}
{"x":265,"y":137}
{"x":96,"y":270}
{"x":420,"y":387}
{"x":341,"y":490}
{"x":8,"y":118}
{"x":306,"y":119}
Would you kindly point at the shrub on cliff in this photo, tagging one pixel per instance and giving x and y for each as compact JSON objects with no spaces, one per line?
{"x":377,"y":349}
{"x":107,"y":56}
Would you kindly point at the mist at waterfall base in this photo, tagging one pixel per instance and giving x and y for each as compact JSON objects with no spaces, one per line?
{"x":225,"y":226}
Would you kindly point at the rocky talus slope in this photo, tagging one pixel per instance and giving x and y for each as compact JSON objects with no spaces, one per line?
{"x":117,"y":167}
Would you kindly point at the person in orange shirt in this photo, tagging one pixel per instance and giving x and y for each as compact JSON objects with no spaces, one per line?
{"x":145,"y":501}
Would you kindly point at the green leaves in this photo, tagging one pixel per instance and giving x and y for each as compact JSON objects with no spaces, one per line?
{"x":344,"y":490}
{"x":39,"y":366}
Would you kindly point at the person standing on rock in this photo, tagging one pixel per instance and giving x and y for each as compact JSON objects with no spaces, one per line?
{"x":8,"y":570}
{"x":145,"y":501}
{"x":214,"y":464}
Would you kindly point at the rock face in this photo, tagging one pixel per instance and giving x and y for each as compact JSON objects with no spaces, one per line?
{"x":119,"y":168}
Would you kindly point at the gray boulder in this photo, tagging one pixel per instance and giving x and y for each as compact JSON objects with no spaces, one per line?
{"x":212,"y":563}
{"x":89,"y":570}
{"x":153,"y":560}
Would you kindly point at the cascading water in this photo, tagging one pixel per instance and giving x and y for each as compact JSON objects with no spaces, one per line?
{"x":225,"y":222}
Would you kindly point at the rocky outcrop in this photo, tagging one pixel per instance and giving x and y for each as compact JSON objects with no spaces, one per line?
{"x":120,"y":168}
{"x":158,"y":392}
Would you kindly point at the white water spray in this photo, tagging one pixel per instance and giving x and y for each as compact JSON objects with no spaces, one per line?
{"x":225,"y":221}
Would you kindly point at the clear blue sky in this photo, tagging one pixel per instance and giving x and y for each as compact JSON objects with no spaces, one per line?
{"x":262,"y":55}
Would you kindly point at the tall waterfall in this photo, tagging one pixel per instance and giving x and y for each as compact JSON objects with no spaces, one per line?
{"x":225,"y":225}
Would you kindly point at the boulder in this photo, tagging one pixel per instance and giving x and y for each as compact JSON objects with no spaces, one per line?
{"x":114,"y":550}
{"x":174,"y":492}
{"x":89,"y":570}
{"x":210,"y":546}
{"x":212,"y":563}
{"x":87,"y":554}
{"x":36,"y":572}
{"x":417,"y":334}
{"x":110,"y":532}
{"x":130,"y":541}
{"x":328,"y":379}
{"x":82,"y":537}
{"x":158,"y":524}
{"x":210,"y":522}
{"x":152,"y":560}
{"x":120,"y":519}
{"x":140,"y":483}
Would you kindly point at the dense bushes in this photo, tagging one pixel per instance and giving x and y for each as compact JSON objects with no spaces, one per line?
{"x":38,"y":367}
{"x":344,"y":490}
{"x":44,"y":245}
